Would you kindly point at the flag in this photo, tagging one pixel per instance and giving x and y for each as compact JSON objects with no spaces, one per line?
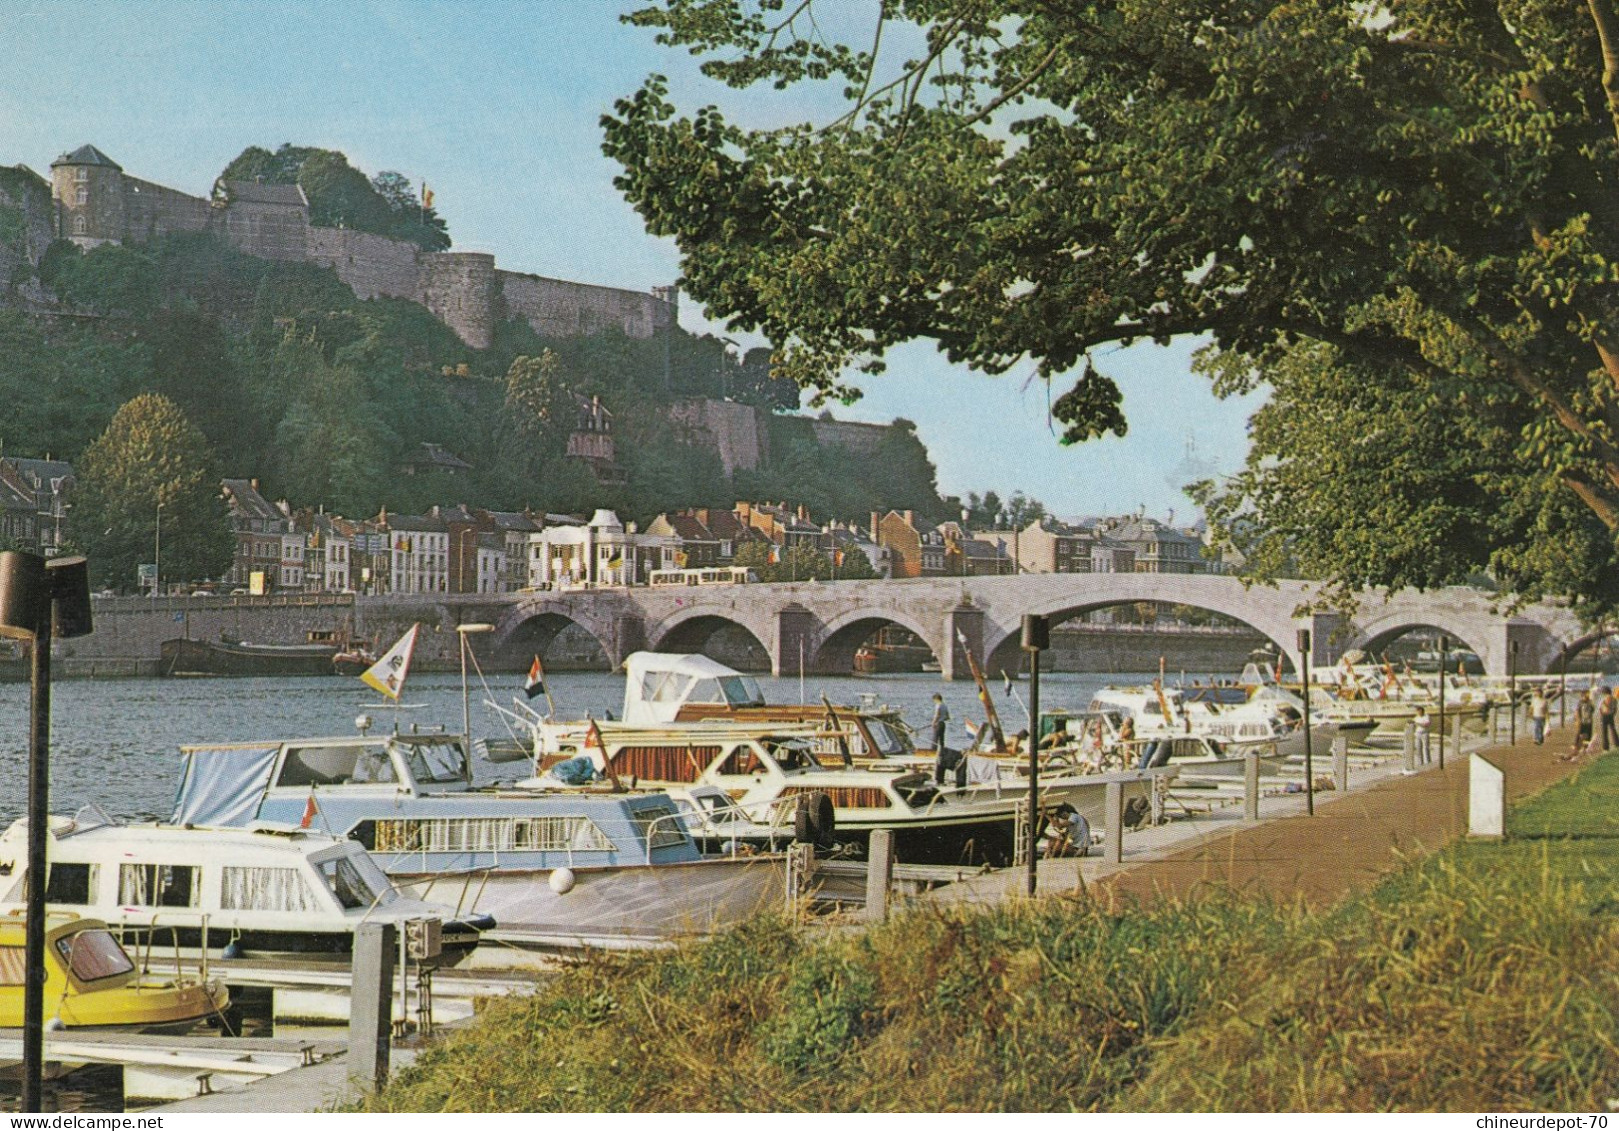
{"x":536,"y":680}
{"x":427,"y":196}
{"x":387,"y":675}
{"x":615,"y":562}
{"x":311,"y":810}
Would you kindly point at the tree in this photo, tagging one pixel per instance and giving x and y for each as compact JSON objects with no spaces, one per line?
{"x":145,"y":478}
{"x":1423,"y":192}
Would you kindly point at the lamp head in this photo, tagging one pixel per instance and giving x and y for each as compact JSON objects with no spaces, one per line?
{"x":24,"y":594}
{"x":70,"y":591}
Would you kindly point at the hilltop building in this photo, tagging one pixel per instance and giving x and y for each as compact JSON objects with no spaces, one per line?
{"x":95,"y":202}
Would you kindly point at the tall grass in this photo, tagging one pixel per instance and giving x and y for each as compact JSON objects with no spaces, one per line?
{"x":1485,"y":977}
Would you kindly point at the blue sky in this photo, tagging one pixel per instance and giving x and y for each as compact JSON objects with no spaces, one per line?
{"x":495,"y":106}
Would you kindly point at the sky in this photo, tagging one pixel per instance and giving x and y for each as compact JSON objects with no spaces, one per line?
{"x":496,"y":107}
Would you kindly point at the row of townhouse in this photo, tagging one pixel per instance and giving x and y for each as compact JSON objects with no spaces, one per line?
{"x":34,"y":496}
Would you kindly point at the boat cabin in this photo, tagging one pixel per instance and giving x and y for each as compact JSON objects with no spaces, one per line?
{"x":658,"y":684}
{"x":409,"y":799}
{"x":279,"y":889}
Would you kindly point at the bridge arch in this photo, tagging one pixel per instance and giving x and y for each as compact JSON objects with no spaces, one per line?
{"x":840,"y":637}
{"x":537,"y":632}
{"x":694,"y":627}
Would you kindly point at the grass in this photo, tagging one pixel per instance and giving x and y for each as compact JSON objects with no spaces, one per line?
{"x":1483,"y":978}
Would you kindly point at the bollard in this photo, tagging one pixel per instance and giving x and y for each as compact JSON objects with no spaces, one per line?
{"x":1113,"y":806}
{"x":371,"y":1003}
{"x":1486,"y":799}
{"x":1250,"y":785}
{"x":879,"y":874}
{"x":1495,"y":726}
{"x":1410,"y":738}
{"x":1456,"y":731}
{"x":1340,"y":763}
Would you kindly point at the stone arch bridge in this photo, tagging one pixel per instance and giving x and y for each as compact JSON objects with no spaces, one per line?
{"x":815,"y":627}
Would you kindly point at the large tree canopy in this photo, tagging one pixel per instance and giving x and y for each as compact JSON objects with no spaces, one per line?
{"x":1405,"y":216}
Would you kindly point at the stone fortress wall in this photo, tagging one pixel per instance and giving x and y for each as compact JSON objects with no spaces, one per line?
{"x":96,"y":202}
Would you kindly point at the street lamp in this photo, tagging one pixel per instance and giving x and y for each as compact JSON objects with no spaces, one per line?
{"x":1512,"y":692}
{"x":1036,"y":637}
{"x":1444,"y":645}
{"x":39,"y":600}
{"x":157,"y":553}
{"x":1309,"y":751}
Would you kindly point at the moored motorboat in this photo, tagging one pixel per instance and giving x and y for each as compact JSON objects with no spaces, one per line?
{"x":92,"y":983}
{"x":246,"y":891}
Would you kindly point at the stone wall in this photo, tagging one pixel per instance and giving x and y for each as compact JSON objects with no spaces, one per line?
{"x":460,"y":289}
{"x":855,"y":436}
{"x":372,"y":266}
{"x":151,"y":210}
{"x":26,"y":230}
{"x":269,"y":231}
{"x":736,"y":431}
{"x":563,"y":310}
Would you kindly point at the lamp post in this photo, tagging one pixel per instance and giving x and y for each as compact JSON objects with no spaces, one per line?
{"x":157,"y":553}
{"x":464,"y":630}
{"x":1512,"y":692}
{"x":1309,"y":751}
{"x":1036,"y":638}
{"x":1444,"y":645}
{"x":38,"y":600}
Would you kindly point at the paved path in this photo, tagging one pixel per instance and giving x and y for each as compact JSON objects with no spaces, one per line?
{"x":1355,"y":837}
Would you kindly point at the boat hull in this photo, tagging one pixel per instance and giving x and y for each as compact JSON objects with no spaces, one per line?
{"x":618,"y":907}
{"x":182,"y":657}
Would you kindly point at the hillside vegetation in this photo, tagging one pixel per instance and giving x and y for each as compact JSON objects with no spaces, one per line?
{"x":321,"y":396}
{"x":1480,"y":979}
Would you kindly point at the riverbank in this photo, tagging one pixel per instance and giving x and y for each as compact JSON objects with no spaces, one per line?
{"x":1475,"y":978}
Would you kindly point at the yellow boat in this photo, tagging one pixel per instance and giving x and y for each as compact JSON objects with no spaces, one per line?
{"x":91,"y":982}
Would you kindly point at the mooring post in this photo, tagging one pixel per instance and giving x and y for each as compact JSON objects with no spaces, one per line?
{"x":1410,"y":742}
{"x":1486,"y":799}
{"x":1250,"y":785}
{"x":1340,"y":762}
{"x":1113,"y":803}
{"x":1456,"y":746}
{"x":371,"y":1003}
{"x":879,"y":874}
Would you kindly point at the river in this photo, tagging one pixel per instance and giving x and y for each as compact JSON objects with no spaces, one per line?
{"x":116,"y":742}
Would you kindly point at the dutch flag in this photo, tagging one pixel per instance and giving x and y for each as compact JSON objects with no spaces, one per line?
{"x":535,"y":684}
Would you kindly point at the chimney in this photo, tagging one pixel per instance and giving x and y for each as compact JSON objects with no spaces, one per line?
{"x":910,"y":518}
{"x":254,"y":483}
{"x":874,"y":521}
{"x":803,"y":513}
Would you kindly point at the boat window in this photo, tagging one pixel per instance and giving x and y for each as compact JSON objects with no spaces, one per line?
{"x":71,"y":883}
{"x":346,"y":882}
{"x":720,"y":809}
{"x":659,"y":827}
{"x":793,"y":756}
{"x":12,"y":965}
{"x":675,"y":762}
{"x":318,"y":765}
{"x":437,"y":762}
{"x":707,"y":691}
{"x":741,"y":691}
{"x":157,"y":885}
{"x":743,"y":759}
{"x":374,"y":766}
{"x":267,"y":889}
{"x":664,"y":687}
{"x":885,"y":738}
{"x":93,"y":955}
{"x":491,"y":834}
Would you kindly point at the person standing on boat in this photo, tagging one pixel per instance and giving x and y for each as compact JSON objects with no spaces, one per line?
{"x":1539,"y":709}
{"x":941,"y":721}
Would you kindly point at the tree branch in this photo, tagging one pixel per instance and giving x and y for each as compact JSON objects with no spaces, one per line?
{"x":1602,"y":15}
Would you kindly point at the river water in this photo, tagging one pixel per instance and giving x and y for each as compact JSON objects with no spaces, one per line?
{"x":116,"y":742}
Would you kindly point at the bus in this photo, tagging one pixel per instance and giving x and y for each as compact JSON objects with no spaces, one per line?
{"x":709,"y":575}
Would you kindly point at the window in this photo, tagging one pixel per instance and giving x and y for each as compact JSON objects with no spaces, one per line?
{"x":93,"y":955}
{"x":266,"y":889}
{"x":437,"y":762}
{"x":81,"y":174}
{"x":346,"y":882}
{"x":80,"y":226}
{"x":491,"y":834}
{"x":70,"y":883}
{"x":157,"y":885}
{"x":82,"y":196}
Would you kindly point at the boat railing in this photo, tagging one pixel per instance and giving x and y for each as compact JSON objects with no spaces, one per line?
{"x":179,"y":921}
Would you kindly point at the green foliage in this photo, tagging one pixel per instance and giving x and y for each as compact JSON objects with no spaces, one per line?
{"x":1426,"y":189}
{"x":61,"y":384}
{"x":147,"y":476}
{"x":1480,"y":979}
{"x":340,"y":196}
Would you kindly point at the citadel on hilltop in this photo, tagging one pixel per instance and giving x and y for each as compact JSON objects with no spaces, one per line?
{"x":95,"y":202}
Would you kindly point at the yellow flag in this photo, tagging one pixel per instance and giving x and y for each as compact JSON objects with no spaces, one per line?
{"x":427,"y":196}
{"x":387,"y":675}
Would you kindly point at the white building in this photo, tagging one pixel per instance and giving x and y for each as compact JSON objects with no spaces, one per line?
{"x":601,"y":552}
{"x":420,"y":562}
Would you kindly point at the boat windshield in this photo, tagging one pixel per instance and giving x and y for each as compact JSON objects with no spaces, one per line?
{"x":793,"y":755}
{"x":731,"y":690}
{"x":885,"y":739}
{"x":436,"y":762}
{"x":349,"y":883}
{"x":93,"y":955}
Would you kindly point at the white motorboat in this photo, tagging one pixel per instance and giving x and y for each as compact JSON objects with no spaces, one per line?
{"x":243,"y":890}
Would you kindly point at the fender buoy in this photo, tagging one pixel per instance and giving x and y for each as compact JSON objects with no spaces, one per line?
{"x":815,"y":819}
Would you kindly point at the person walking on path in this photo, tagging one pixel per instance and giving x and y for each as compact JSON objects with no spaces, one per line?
{"x":1584,"y":716}
{"x":1539,"y":709}
{"x":1606,"y":707}
{"x":1420,"y":722}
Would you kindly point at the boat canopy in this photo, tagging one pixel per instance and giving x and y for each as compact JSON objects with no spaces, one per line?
{"x":657,"y":684}
{"x":223,"y":785}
